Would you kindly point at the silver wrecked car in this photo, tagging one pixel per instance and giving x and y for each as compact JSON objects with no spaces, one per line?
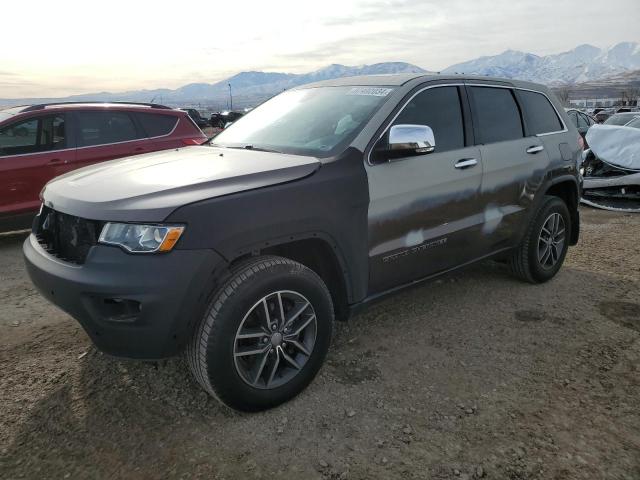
{"x":611,"y":168}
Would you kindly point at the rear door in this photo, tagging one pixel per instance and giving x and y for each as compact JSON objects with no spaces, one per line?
{"x":32,"y":152}
{"x":424,"y":210}
{"x":106,"y":135}
{"x":512,"y":163}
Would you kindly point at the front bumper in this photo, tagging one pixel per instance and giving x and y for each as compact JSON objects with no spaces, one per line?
{"x":138,"y":306}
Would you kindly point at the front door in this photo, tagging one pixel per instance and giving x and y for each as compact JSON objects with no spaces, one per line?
{"x":32,"y":152}
{"x":424,"y":210}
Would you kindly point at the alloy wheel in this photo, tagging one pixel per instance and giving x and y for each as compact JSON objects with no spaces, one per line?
{"x":551,"y":241}
{"x":275,"y":339}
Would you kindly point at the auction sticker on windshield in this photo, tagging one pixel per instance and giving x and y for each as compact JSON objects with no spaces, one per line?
{"x":372,"y":91}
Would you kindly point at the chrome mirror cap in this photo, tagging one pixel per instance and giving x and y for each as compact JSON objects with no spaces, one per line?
{"x":416,"y":138}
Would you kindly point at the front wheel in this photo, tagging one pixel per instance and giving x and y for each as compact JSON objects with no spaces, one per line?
{"x":265,"y":335}
{"x":542,"y":251}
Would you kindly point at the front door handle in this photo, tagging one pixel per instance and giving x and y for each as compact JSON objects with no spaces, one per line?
{"x":466,"y":163}
{"x":535,"y":149}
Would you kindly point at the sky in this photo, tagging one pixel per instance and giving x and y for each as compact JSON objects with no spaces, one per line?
{"x":70,"y":47}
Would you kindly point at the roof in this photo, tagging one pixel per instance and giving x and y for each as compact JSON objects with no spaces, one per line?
{"x":398,"y":79}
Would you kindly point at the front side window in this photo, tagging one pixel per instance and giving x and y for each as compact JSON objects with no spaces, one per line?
{"x":440,"y":109}
{"x":35,"y":135}
{"x":497,"y":117}
{"x":101,"y":128}
{"x":313,"y":121}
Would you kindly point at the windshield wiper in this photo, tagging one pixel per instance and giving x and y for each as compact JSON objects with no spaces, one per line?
{"x":253,"y":147}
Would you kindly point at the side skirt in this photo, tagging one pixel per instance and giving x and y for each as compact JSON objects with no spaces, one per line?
{"x":360,"y":306}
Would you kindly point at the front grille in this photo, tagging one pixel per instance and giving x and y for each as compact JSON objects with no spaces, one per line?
{"x":64,"y":236}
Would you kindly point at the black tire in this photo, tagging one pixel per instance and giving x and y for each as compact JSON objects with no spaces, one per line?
{"x":525,"y":262}
{"x":211,"y":354}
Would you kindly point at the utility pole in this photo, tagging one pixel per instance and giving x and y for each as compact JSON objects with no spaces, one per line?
{"x":230,"y":98}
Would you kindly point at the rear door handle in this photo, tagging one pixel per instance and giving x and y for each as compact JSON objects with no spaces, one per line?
{"x":535,"y":149}
{"x":466,"y":163}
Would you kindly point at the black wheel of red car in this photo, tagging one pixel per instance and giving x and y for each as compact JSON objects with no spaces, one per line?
{"x":265,"y":335}
{"x":542,"y":251}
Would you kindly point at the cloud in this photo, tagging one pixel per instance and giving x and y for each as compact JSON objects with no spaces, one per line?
{"x":287,"y":36}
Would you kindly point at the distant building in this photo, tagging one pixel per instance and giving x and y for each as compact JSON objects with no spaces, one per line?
{"x":600,"y":102}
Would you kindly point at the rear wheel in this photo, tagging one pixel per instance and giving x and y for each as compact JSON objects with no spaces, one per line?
{"x":542,"y":251}
{"x":264,"y":336}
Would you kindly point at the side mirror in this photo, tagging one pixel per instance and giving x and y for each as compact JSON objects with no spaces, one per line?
{"x":406,"y":140}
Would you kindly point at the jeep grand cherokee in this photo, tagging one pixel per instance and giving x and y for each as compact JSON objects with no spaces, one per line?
{"x":242,"y":253}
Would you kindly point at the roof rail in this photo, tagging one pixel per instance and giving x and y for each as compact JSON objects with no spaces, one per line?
{"x":42,"y":106}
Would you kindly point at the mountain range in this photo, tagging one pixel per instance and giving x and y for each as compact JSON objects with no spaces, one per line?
{"x":583,"y":64}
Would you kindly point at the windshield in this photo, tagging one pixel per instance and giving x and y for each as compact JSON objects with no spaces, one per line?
{"x":313,"y":121}
{"x":620,"y":119}
{"x":635,"y":123}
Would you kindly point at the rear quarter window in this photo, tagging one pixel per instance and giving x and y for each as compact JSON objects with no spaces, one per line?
{"x":540,"y":114}
{"x":157,"y":125}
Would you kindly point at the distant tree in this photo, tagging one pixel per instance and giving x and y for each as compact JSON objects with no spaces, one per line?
{"x":630,"y":95}
{"x":563,"y":94}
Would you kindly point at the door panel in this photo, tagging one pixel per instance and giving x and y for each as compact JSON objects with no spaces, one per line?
{"x":510,"y":181}
{"x":424,"y":215}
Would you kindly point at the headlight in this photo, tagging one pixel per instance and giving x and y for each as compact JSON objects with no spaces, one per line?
{"x":141,"y":238}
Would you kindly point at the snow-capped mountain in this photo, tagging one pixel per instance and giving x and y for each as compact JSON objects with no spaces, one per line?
{"x":247,"y":87}
{"x":582,"y":64}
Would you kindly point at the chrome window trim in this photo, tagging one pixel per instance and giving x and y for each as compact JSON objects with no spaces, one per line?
{"x":463,"y":84}
{"x":135,"y":139}
{"x":2,"y":157}
{"x":98,"y":145}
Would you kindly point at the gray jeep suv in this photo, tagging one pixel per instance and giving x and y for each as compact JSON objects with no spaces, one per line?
{"x":240,"y":254}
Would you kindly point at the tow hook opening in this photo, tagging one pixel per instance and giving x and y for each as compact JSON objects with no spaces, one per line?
{"x":120,"y":310}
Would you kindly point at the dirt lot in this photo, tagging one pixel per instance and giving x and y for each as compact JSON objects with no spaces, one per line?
{"x":474,"y":375}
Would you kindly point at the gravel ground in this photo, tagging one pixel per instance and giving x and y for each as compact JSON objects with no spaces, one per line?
{"x":474,"y":375}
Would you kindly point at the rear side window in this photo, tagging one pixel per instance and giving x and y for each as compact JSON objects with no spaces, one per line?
{"x":41,"y":134}
{"x":101,"y":128}
{"x":497,"y":117}
{"x":156,"y":125}
{"x":440,"y":109}
{"x":540,"y":114}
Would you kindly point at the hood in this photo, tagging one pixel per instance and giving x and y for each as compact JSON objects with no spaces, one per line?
{"x":616,"y":145}
{"x":149,"y":187}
